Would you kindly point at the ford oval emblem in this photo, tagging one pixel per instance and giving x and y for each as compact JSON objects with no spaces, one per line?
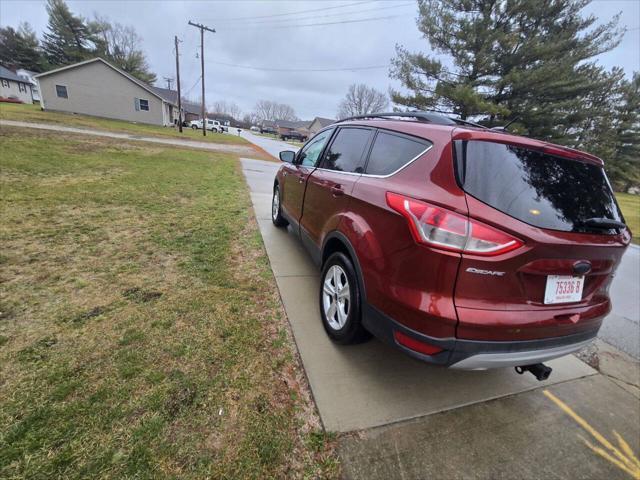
{"x":582,"y":267}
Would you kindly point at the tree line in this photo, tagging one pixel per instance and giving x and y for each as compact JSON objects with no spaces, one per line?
{"x":70,"y":39}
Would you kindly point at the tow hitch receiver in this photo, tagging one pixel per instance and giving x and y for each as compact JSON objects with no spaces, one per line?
{"x":538,"y":370}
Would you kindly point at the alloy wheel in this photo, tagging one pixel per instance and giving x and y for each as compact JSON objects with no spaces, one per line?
{"x":336,"y":297}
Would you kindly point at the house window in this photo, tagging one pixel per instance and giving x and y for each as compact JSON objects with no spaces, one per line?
{"x":5,"y":83}
{"x":22,"y":87}
{"x":61,"y":91}
{"x":141,"y":104}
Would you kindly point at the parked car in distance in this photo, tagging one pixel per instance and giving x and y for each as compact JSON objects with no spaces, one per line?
{"x":460,"y":245}
{"x":293,"y":135}
{"x":255,"y":129}
{"x":213,"y":125}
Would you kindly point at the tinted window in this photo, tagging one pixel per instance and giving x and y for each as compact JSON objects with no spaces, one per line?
{"x":539,"y":189}
{"x":312,"y":150}
{"x":392,"y":152}
{"x":346,"y":153}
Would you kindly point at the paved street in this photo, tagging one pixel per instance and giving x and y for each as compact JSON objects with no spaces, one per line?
{"x":271,"y":146}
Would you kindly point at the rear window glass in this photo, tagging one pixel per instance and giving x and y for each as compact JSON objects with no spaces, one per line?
{"x":542,"y":190}
{"x":392,"y":152}
{"x":345,"y":154}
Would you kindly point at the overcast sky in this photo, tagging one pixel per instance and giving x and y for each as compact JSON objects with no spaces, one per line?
{"x":278,"y":40}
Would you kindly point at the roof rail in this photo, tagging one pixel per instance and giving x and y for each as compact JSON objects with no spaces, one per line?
{"x":423,"y":116}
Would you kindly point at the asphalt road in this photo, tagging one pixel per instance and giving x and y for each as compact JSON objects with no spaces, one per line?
{"x":272,"y":147}
{"x":620,"y":329}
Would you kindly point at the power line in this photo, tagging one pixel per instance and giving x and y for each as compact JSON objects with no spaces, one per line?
{"x":314,"y":17}
{"x":291,"y":13}
{"x":192,"y":87}
{"x":372,"y":19}
{"x":268,"y":69}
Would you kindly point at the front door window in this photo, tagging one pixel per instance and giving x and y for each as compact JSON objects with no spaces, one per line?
{"x":312,"y":150}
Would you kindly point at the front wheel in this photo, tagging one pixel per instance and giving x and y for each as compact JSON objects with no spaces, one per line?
{"x":340,"y":301}
{"x":276,"y":210}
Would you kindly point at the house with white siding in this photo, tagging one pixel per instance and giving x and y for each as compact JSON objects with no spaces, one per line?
{"x":95,"y":87}
{"x":14,"y":88}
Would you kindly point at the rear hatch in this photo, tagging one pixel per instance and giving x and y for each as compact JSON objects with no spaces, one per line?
{"x":559,"y":204}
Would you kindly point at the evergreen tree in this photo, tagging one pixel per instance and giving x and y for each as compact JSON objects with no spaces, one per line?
{"x":511,"y":59}
{"x":20,"y":48}
{"x":68,"y":39}
{"x":623,"y":165}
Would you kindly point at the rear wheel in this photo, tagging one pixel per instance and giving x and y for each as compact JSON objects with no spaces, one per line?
{"x":193,"y":127}
{"x":276,"y":211}
{"x":340,"y":303}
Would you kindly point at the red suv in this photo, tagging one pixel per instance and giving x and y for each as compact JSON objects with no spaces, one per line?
{"x":462,"y":246}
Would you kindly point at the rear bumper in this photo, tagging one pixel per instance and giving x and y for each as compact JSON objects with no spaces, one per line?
{"x":473,"y":354}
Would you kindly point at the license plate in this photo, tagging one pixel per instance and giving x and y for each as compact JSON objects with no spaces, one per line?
{"x":563,"y":289}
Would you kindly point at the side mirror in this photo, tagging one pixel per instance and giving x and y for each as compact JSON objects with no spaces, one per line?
{"x":288,"y":156}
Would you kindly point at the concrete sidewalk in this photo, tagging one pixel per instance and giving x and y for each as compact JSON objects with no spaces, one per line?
{"x":214,"y":147}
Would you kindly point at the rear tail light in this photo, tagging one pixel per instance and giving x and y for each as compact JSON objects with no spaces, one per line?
{"x":441,"y":228}
{"x":416,"y":345}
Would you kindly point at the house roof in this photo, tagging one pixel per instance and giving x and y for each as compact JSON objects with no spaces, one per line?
{"x":9,"y":75}
{"x":292,"y":124}
{"x":191,"y":107}
{"x":323,"y":121}
{"x":140,"y":83}
{"x":170,"y":96}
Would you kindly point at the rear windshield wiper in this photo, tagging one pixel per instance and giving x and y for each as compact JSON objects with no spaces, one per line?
{"x":604,"y":223}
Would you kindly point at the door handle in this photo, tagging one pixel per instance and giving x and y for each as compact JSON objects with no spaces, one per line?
{"x":337,"y":190}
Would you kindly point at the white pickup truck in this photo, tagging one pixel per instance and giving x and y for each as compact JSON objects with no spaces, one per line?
{"x":213,"y":125}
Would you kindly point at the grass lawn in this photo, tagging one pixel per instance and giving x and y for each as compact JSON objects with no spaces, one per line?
{"x":141,"y":332}
{"x":630,"y":205}
{"x":32,"y":113}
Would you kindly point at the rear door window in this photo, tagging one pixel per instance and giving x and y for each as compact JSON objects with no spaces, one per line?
{"x":347,"y":151}
{"x":391,"y":152}
{"x":540,"y":189}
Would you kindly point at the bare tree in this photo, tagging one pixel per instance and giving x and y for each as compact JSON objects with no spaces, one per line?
{"x":270,"y":111}
{"x":121,"y":45}
{"x":226,"y":108}
{"x":361,"y":100}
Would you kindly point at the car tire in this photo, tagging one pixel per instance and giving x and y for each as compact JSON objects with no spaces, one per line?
{"x":276,"y":209}
{"x":341,"y":317}
{"x":193,"y":127}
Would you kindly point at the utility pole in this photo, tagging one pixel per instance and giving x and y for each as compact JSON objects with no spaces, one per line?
{"x":169,"y":80}
{"x":202,"y":29}
{"x":178,"y":81}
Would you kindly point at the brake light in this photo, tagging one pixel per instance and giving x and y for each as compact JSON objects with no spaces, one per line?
{"x":442,"y":228}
